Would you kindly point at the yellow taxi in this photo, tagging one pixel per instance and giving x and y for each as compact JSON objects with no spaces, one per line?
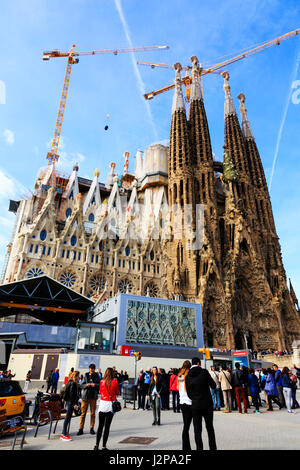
{"x":12,"y":405}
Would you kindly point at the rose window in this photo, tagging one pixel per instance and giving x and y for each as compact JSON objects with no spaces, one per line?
{"x":125,"y":286}
{"x":95,"y":283}
{"x":151,"y":289}
{"x":34,"y":272}
{"x":67,"y":279}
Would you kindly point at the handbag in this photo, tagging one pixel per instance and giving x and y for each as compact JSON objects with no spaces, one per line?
{"x":116,"y":405}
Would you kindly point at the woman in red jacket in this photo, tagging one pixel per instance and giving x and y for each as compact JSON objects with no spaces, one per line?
{"x":109,"y":390}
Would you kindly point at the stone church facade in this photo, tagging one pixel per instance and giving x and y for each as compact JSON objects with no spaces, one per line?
{"x":127,"y":235}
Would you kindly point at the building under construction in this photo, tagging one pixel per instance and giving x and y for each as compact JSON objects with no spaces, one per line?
{"x":124,"y":235}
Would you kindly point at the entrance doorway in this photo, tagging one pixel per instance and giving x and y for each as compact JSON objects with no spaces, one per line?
{"x":51,"y":364}
{"x":37,"y":366}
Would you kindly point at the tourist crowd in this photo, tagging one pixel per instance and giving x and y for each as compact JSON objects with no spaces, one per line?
{"x":193,"y":391}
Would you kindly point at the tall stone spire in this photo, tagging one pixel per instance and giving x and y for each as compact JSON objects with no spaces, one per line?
{"x":256,"y":171}
{"x":179,"y":147}
{"x":196,"y":89}
{"x":246,"y":129}
{"x":178,"y":100}
{"x":228,"y":105}
{"x":234,"y":140}
{"x":199,"y":131}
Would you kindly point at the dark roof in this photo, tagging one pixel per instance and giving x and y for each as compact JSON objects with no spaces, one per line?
{"x":45,"y":299}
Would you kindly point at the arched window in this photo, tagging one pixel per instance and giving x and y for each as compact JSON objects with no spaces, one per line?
{"x":68,"y":212}
{"x":43,"y":235}
{"x":73,"y":240}
{"x":127,"y":251}
{"x":91,"y":217}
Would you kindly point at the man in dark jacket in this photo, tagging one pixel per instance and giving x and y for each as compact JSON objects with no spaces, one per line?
{"x":238,"y":382}
{"x":90,"y":389}
{"x":198,"y":384}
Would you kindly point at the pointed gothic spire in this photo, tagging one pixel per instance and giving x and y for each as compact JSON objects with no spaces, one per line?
{"x":178,"y":101}
{"x":246,"y":129}
{"x":228,"y":105}
{"x":196,"y":90}
{"x":72,"y":188}
{"x":93,"y":196}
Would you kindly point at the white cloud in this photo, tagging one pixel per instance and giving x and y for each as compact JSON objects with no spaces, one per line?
{"x":9,"y":137}
{"x":134,"y":63}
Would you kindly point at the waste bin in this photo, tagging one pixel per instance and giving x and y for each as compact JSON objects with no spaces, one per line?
{"x":129,"y":394}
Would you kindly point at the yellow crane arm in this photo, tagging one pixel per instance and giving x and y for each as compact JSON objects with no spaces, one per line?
{"x":216,"y":67}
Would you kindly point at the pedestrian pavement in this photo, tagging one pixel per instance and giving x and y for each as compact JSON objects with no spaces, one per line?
{"x":276,"y":430}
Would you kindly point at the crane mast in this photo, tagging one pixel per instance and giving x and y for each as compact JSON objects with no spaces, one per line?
{"x":72,"y":58}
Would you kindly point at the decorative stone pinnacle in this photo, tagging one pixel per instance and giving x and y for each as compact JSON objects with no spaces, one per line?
{"x":246,"y":129}
{"x":76,"y":167}
{"x":178,"y":101}
{"x":196,"y":89}
{"x":228,"y":105}
{"x":97,"y":173}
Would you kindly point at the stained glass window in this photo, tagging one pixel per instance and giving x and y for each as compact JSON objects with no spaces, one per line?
{"x":34,"y":272}
{"x":68,"y":279}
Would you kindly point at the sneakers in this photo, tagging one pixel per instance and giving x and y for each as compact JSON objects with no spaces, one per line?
{"x":291,"y":411}
{"x":65,"y":438}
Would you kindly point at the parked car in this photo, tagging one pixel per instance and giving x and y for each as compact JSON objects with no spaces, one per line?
{"x":12,"y":403}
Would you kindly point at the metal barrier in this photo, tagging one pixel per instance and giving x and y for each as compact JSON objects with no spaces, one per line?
{"x":129,"y":394}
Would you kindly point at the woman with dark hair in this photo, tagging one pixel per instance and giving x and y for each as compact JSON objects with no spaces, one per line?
{"x":154,"y":392}
{"x":109,"y":390}
{"x":287,"y":388}
{"x":70,"y":396}
{"x":185,"y":405}
{"x":271,"y":390}
{"x":174,"y":391}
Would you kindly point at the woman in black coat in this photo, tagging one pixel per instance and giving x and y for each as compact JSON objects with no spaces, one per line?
{"x":70,"y":397}
{"x":165,"y":390}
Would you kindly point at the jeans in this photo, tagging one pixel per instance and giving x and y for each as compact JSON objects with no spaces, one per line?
{"x":197,"y":422}
{"x":288,"y":397}
{"x":215,"y":393}
{"x":155,"y":402}
{"x":275,"y":400}
{"x":227,"y":399}
{"x":141,"y":399}
{"x":255,"y":401}
{"x":165,"y":397}
{"x":281,"y":396}
{"x":54,"y":388}
{"x":175,"y":401}
{"x":105,"y":420}
{"x":187,"y":417}
{"x":70,"y":408}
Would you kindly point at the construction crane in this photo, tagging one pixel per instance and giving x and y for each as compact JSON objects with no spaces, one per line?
{"x":219,"y":67}
{"x":72,"y":58}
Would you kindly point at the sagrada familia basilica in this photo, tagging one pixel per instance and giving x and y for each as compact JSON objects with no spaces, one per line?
{"x":181,"y":226}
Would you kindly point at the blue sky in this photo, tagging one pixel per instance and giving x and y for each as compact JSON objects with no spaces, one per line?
{"x":108,"y":84}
